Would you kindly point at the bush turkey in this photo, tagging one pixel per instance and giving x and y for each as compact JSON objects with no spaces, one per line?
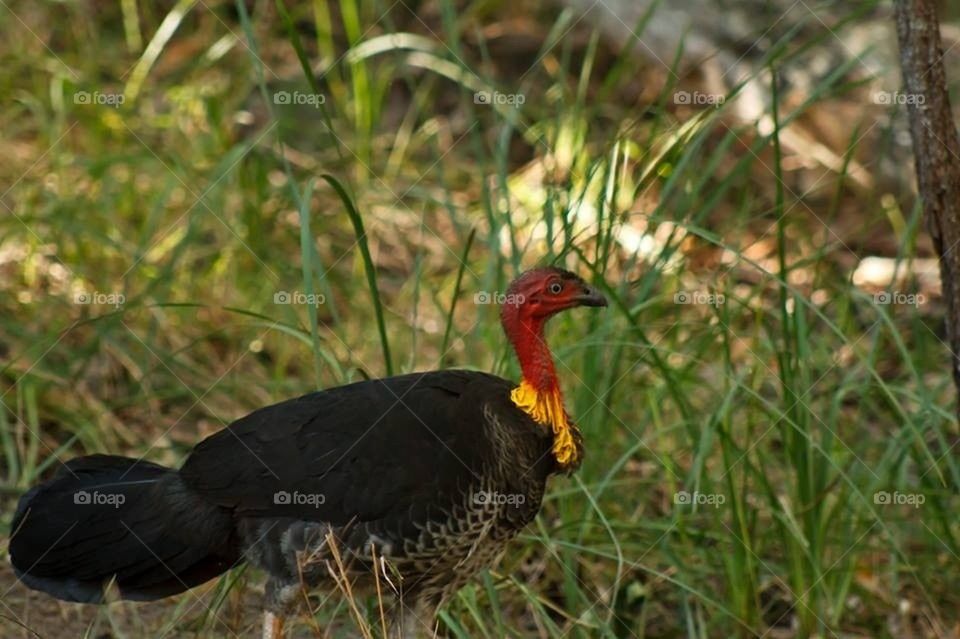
{"x":413,"y":483}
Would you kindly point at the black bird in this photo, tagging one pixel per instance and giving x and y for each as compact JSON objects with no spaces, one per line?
{"x":411,"y":483}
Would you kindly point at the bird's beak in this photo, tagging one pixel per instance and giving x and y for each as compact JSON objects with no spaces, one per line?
{"x":591,"y":297}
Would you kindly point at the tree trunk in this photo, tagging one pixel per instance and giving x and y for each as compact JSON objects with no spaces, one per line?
{"x":936,"y":149}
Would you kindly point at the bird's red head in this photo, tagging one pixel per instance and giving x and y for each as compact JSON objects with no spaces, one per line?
{"x":531,"y":300}
{"x":543,"y":292}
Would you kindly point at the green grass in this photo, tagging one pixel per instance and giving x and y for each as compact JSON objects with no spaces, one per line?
{"x":795,"y":401}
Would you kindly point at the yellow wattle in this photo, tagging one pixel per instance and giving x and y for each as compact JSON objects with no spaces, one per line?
{"x":546,"y":407}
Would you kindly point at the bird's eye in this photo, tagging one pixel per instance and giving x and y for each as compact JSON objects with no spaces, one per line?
{"x":556,"y":288}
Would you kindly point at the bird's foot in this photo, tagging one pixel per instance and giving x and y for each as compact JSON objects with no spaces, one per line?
{"x":272,"y":626}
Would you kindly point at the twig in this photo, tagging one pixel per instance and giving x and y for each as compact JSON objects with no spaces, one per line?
{"x":376,"y":580}
{"x":343,"y":582}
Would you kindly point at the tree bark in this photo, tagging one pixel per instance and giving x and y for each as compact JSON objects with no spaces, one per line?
{"x":936,"y":149}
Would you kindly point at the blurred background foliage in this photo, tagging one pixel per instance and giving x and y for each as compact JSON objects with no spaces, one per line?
{"x":736,"y":175}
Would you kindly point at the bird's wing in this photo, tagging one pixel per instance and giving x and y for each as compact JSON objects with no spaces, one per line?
{"x":374,"y":450}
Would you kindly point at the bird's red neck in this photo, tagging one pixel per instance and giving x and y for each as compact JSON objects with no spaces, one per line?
{"x":538,"y":394}
{"x":536,"y":362}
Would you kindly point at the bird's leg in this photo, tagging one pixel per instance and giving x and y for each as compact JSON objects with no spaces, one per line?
{"x":272,"y":625}
{"x":279,"y":600}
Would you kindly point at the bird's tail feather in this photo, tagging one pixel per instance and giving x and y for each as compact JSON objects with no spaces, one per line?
{"x":106,"y":519}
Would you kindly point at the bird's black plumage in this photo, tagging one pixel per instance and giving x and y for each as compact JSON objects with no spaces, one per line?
{"x":376,"y":460}
{"x":106,"y":518}
{"x":371,"y":450}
